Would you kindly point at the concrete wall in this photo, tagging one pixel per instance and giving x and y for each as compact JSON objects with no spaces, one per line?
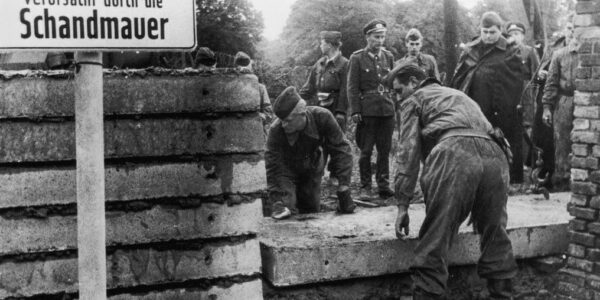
{"x":184,"y":174}
{"x":581,"y":280}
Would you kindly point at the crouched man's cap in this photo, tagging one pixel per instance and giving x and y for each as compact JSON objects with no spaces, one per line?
{"x":515,"y":26}
{"x":490,"y":18}
{"x":331,"y":37}
{"x":375,"y":26}
{"x":241,"y":59}
{"x":286,"y":102}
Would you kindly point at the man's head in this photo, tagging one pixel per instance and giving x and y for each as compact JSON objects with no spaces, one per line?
{"x":375,"y":34}
{"x":569,"y":31}
{"x":242,"y":60}
{"x":205,"y":58}
{"x":516,"y":31}
{"x":490,"y":26}
{"x":291,"y":110}
{"x":330,"y":41}
{"x":405,"y":79}
{"x":414,"y":41}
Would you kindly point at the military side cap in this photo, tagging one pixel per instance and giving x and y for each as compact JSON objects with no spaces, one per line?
{"x":491,"y":18}
{"x":331,"y":36}
{"x":241,"y":59}
{"x":286,"y":102}
{"x":403,"y":69}
{"x":375,"y":26}
{"x":205,"y":56}
{"x":515,"y":26}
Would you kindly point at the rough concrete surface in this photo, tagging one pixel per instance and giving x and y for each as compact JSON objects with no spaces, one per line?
{"x":159,"y":224}
{"x":242,"y":291}
{"x":129,"y":268}
{"x":45,"y":97}
{"x":335,"y":247}
{"x":48,"y":141}
{"x":22,"y":187}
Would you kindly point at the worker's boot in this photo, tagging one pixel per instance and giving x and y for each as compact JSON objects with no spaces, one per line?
{"x":500,"y":289}
{"x":365,"y":194}
{"x":345,"y":203}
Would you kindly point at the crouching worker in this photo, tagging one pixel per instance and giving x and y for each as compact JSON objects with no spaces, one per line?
{"x":465,"y":172}
{"x":294,"y":157}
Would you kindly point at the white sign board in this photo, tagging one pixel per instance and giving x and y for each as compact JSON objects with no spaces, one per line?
{"x":98,"y":24}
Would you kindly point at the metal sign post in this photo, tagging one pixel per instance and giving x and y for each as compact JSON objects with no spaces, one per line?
{"x":92,"y":26}
{"x":89,"y":136}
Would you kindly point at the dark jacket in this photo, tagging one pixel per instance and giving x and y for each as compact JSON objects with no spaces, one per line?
{"x":493,"y":77}
{"x":530,"y":61}
{"x":425,"y":61}
{"x":366,"y":75}
{"x":328,"y":76}
{"x":321,"y":131}
{"x":561,"y":75}
{"x":424,"y":117}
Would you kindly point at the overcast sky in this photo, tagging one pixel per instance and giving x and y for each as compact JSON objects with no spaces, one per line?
{"x":275,"y":13}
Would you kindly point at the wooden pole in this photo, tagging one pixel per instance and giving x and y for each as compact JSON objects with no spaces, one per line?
{"x":89,"y":136}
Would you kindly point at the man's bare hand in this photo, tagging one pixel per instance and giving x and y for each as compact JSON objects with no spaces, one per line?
{"x":357,"y":118}
{"x":547,"y":117}
{"x":542,"y":74}
{"x":340,"y":118}
{"x":402,"y":223}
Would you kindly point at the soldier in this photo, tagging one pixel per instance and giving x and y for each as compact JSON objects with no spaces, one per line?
{"x":465,"y":172}
{"x":372,"y":107}
{"x":294,"y":159}
{"x":243,"y":61}
{"x":490,"y":72}
{"x":528,"y":55}
{"x":558,"y":105}
{"x":414,"y":42}
{"x":327,"y":80}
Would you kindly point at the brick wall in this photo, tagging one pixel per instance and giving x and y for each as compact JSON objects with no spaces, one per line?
{"x":184,"y":173}
{"x":581,"y":278}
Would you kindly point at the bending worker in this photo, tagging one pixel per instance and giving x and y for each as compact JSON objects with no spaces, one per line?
{"x":294,"y":157}
{"x":465,"y":172}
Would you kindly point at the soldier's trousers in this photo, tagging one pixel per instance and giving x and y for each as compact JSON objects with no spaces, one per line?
{"x":375,"y":131}
{"x":463,"y":175}
{"x":301,"y":190}
{"x":563,"y":124}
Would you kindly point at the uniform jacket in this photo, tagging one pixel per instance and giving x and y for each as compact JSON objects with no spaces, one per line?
{"x":425,"y":61}
{"x":493,"y":77}
{"x":366,"y":73}
{"x":321,"y":131}
{"x":328,"y":76}
{"x":424,"y":117}
{"x":561,"y":75}
{"x":530,"y":61}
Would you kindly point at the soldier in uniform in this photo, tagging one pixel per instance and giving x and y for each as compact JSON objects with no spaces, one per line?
{"x":327,"y":80}
{"x":294,"y":157}
{"x":528,"y":55}
{"x":372,"y":107}
{"x":414,"y":43}
{"x":490,"y":72}
{"x":465,"y":171}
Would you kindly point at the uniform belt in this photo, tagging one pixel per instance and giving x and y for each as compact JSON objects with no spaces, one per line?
{"x":463,"y":132}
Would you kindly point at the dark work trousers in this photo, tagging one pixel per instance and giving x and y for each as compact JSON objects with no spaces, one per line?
{"x":543,"y":137}
{"x":375,"y":131}
{"x":562,"y":120}
{"x":463,"y":175}
{"x":325,"y":153}
{"x":302,"y":189}
{"x":514,"y":135}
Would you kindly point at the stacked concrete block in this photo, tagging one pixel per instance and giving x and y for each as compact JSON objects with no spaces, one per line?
{"x":581,"y":278}
{"x":184,"y":176}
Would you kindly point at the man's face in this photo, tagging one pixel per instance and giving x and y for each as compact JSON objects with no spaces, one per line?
{"x":404,"y":91}
{"x":375,"y":40}
{"x":325,"y":46}
{"x":569,"y":31}
{"x":414,"y":47}
{"x":517,"y":36}
{"x":490,"y":35}
{"x":295,"y":121}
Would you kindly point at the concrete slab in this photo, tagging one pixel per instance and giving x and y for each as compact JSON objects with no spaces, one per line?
{"x":159,"y":224}
{"x":248,"y":291}
{"x":47,"y":141}
{"x":23,"y":187}
{"x":131,"y":268}
{"x":32,"y":97}
{"x":327,"y":247}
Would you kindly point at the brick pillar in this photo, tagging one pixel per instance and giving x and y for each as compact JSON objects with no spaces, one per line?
{"x":580,"y":279}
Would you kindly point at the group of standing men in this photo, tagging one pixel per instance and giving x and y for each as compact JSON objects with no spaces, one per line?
{"x":458,"y":133}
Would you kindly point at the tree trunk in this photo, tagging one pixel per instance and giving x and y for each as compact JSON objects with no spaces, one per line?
{"x":450,"y":36}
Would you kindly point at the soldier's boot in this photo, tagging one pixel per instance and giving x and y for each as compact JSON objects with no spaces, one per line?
{"x":345,"y":203}
{"x":365,"y":194}
{"x":500,"y":289}
{"x":385,"y":192}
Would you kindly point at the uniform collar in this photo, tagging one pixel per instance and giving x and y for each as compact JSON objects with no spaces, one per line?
{"x":310,"y":129}
{"x":428,"y":81}
{"x":372,"y":55}
{"x":334,"y":60}
{"x":501,"y":44}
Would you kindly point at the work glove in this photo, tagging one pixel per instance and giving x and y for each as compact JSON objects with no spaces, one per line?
{"x":345,"y":203}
